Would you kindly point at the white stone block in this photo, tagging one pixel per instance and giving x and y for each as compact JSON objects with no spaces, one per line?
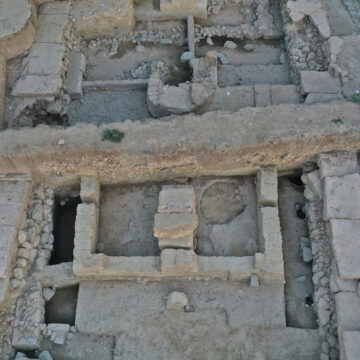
{"x":342,"y":197}
{"x":267,"y":186}
{"x":178,"y":261}
{"x":345,"y":241}
{"x":174,"y":225}
{"x":337,"y":164}
{"x":176,"y":199}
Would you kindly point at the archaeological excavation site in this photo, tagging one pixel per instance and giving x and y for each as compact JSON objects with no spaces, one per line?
{"x":180,"y":179}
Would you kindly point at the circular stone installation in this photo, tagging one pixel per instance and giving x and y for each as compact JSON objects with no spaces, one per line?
{"x":221,"y":202}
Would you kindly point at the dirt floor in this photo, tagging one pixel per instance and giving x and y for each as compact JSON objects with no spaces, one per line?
{"x":298,"y":275}
{"x":118,"y":67}
{"x":61,"y":308}
{"x":109,"y":106}
{"x":126,"y":225}
{"x":226,"y":208}
{"x":228,"y":321}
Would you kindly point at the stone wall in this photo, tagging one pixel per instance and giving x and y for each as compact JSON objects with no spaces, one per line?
{"x":24,"y":309}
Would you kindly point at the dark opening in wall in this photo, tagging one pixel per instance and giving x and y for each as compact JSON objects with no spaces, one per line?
{"x":298,"y":273}
{"x":61,"y":308}
{"x":64,"y":229}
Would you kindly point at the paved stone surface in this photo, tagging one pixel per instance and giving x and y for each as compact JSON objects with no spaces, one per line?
{"x":342,"y":197}
{"x":112,"y":307}
{"x":29,"y":315}
{"x":37,"y":85}
{"x":51,"y":27}
{"x":351,"y":341}
{"x":347,"y":311}
{"x":345,"y":241}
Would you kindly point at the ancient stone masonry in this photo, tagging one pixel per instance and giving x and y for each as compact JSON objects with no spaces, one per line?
{"x":334,"y":271}
{"x":179,"y":179}
{"x":33,"y":244}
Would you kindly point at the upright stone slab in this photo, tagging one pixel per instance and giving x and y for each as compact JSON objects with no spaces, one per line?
{"x":342,"y":197}
{"x":345,"y":241}
{"x":90,"y":189}
{"x":75,"y":74}
{"x":2,"y":89}
{"x":267,"y":186}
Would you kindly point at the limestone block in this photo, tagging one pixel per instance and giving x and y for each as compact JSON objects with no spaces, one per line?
{"x":2,"y":89}
{"x":351,"y":341}
{"x":186,"y":242}
{"x":90,"y":189}
{"x":176,"y":199}
{"x":7,"y":249}
{"x":345,"y":241}
{"x":178,"y":261}
{"x":86,"y":218}
{"x":4,"y":289}
{"x":197,"y":8}
{"x":44,"y":59}
{"x":347,"y":311}
{"x":28,"y":317}
{"x":191,"y":34}
{"x":55,"y":7}
{"x":177,"y":301}
{"x":271,"y":260}
{"x":51,"y":27}
{"x":37,"y":85}
{"x":284,"y":94}
{"x":336,"y":45}
{"x":320,"y":20}
{"x":337,"y":284}
{"x":59,"y":275}
{"x":174,"y":225}
{"x":262,"y":95}
{"x":342,"y":197}
{"x":267,"y":186}
{"x":139,"y":266}
{"x":89,"y":265}
{"x":318,"y":82}
{"x":76,"y":70}
{"x":313,"y":180}
{"x":304,"y":7}
{"x":337,"y":163}
{"x":315,"y":98}
{"x":176,"y":100}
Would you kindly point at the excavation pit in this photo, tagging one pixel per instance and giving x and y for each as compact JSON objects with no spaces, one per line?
{"x":64,"y":229}
{"x":61,"y":308}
